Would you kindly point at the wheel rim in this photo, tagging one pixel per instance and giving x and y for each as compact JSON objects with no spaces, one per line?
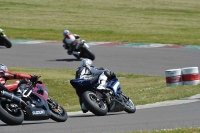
{"x":55,"y":108}
{"x":129,"y":104}
{"x":11,"y":108}
{"x":58,"y":110}
{"x":99,"y":103}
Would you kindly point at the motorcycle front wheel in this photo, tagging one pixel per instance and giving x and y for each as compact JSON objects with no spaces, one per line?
{"x":10,"y":113}
{"x":58,"y":113}
{"x":6,"y":42}
{"x":94,"y":104}
{"x":129,"y":105}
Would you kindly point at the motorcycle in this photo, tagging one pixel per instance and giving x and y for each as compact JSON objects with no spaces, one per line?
{"x":99,"y":102}
{"x":82,"y":49}
{"x":29,"y":102}
{"x":4,"y":41}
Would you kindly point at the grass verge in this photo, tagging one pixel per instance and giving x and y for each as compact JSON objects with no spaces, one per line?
{"x":147,"y":21}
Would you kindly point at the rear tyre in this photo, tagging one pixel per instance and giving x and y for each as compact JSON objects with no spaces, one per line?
{"x":94,"y":104}
{"x":7,"y":43}
{"x":10,"y":114}
{"x":58,"y":113}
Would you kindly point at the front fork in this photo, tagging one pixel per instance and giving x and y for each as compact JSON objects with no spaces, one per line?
{"x":105,"y":96}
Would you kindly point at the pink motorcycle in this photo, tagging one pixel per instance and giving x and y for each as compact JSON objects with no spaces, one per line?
{"x":29,"y":102}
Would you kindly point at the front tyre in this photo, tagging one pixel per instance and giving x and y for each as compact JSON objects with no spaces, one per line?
{"x":94,"y":104}
{"x":7,"y":43}
{"x":58,"y":113}
{"x":129,"y":106}
{"x":10,"y":113}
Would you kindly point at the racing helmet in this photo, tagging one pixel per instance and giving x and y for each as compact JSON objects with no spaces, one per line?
{"x":3,"y":67}
{"x":65,"y":32}
{"x":86,"y":62}
{"x":68,"y":37}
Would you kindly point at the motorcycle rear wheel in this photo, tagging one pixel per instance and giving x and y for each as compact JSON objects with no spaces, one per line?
{"x":58,"y":113}
{"x":97,"y":107}
{"x":9,"y":116}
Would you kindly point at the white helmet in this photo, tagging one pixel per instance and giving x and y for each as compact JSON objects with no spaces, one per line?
{"x":65,"y":32}
{"x":86,"y":62}
{"x":3,"y":67}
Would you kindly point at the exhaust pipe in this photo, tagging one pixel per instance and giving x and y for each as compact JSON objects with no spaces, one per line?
{"x":12,"y":97}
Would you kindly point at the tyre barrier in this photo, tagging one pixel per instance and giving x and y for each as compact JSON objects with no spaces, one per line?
{"x":190,"y":76}
{"x":184,"y":76}
{"x":173,"y":77}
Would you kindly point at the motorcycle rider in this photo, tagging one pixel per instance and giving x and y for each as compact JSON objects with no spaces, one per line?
{"x":71,"y":42}
{"x":7,"y":75}
{"x":89,"y":72}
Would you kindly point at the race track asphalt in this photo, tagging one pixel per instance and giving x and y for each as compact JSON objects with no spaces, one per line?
{"x":145,"y":61}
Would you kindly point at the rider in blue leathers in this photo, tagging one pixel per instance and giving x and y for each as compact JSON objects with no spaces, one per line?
{"x":89,"y":72}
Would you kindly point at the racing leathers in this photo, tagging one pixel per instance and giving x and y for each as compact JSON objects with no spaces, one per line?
{"x":92,"y":73}
{"x":7,"y":75}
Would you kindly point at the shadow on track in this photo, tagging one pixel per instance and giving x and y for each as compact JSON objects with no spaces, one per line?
{"x":31,"y":123}
{"x":67,"y":60}
{"x":92,"y":115}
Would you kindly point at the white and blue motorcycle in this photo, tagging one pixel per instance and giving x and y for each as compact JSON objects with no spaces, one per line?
{"x":99,"y":102}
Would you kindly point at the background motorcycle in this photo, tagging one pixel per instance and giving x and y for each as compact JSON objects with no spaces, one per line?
{"x":99,"y":102}
{"x":4,"y":41}
{"x":30,"y":102}
{"x":82,"y":50}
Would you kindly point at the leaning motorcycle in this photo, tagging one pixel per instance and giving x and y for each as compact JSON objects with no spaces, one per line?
{"x":29,"y":102}
{"x":4,"y":41}
{"x":99,"y":102}
{"x":82,"y":50}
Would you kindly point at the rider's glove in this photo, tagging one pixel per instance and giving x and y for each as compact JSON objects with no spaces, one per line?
{"x":34,"y":78}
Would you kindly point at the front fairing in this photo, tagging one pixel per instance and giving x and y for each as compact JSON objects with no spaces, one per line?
{"x":41,"y":90}
{"x":86,"y":45}
{"x":114,"y":85}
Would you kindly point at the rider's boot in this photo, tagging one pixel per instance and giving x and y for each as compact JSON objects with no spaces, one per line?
{"x":84,"y":109}
{"x":69,"y":51}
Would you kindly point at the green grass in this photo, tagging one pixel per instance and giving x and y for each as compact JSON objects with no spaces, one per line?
{"x":142,"y":89}
{"x":151,"y":21}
